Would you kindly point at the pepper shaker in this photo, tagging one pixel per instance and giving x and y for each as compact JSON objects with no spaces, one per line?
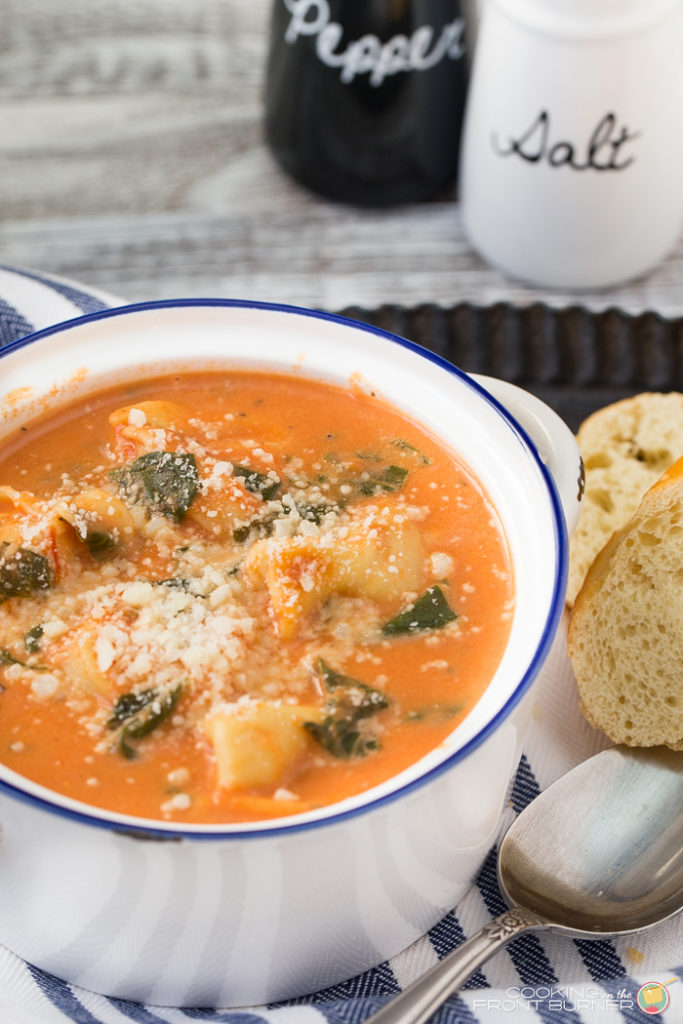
{"x":571,"y":169}
{"x":364,"y":100}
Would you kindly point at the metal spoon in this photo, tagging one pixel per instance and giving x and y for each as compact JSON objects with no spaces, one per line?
{"x":600,"y":852}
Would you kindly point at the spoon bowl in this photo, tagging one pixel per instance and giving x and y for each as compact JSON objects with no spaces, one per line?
{"x":598,"y":853}
{"x":601,"y":850}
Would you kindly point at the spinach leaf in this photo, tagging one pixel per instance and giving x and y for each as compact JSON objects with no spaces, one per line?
{"x":23,"y":573}
{"x":431,"y":611}
{"x":351,"y":701}
{"x":136,"y":715}
{"x":314,"y":513}
{"x":7,"y":658}
{"x":410,"y":449}
{"x":99,"y":543}
{"x":263,"y":525}
{"x":257,"y":483}
{"x":128,"y":704}
{"x":165,"y":482}
{"x":390,"y":479}
{"x":33,"y":638}
{"x":359,"y":698}
{"x":341,"y":738}
{"x":174,"y":583}
{"x":434,"y":713}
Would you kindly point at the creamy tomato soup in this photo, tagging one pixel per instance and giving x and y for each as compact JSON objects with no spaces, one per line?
{"x":238,"y":596}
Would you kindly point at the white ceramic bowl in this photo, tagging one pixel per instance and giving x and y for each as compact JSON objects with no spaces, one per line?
{"x":244,"y":914}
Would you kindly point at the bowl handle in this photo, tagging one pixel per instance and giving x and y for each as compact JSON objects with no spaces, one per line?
{"x":554,"y":441}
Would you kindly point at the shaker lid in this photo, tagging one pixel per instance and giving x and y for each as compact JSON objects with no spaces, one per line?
{"x":587,"y":18}
{"x":594,"y":8}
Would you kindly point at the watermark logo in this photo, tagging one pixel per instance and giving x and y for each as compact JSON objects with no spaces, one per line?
{"x":653,"y":997}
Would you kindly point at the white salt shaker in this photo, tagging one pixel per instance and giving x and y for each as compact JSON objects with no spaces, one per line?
{"x":572,"y":154}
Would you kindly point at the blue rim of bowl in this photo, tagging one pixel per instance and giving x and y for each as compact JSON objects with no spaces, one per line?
{"x":148,"y":828}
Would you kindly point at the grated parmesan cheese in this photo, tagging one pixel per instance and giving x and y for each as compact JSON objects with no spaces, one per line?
{"x":137,"y":418}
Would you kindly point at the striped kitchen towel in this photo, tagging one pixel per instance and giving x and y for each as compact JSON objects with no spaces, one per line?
{"x":542,"y":976}
{"x":30,"y":301}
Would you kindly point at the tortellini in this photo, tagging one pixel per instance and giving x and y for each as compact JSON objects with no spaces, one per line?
{"x":256,"y":743}
{"x":378,"y":555}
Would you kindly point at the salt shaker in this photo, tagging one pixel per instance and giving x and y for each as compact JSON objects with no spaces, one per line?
{"x":571,"y":170}
{"x":364,"y":98}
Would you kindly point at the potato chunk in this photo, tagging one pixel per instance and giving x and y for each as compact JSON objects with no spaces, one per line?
{"x":256,"y":744}
{"x":381,"y":557}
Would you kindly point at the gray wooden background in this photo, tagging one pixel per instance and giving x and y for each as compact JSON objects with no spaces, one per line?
{"x":131,"y":159}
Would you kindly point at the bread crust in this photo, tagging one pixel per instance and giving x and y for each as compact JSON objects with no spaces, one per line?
{"x":625,"y":447}
{"x":625,"y":636}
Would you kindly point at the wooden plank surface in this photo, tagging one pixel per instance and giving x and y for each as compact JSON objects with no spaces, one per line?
{"x":132,"y":159}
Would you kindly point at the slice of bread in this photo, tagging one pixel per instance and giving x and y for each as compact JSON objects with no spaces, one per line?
{"x":625,"y":447}
{"x":626,"y":627}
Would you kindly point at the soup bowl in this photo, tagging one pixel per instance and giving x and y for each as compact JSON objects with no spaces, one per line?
{"x":237,"y":914}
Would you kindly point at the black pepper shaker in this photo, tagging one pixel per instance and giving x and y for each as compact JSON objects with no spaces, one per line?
{"x":364,"y":100}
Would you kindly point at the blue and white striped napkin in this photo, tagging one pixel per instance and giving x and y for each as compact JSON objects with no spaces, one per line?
{"x":30,"y":301}
{"x":536,"y":977}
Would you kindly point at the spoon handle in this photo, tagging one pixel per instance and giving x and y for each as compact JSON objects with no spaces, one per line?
{"x":420,"y":1000}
